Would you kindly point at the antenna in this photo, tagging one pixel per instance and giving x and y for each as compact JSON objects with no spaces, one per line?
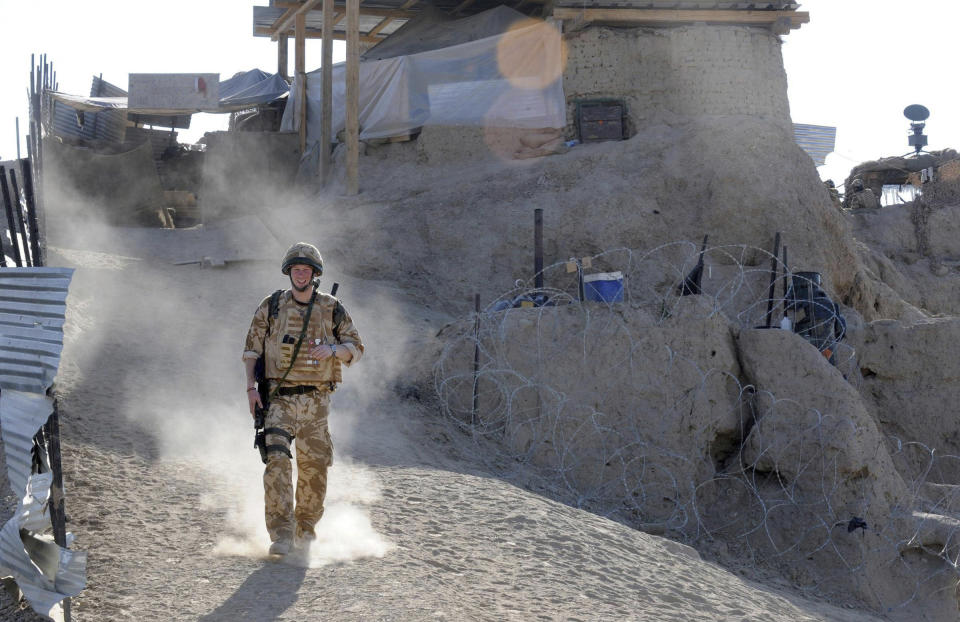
{"x":917,"y":115}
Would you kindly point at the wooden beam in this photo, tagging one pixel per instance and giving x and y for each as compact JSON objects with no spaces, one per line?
{"x":337,"y":36}
{"x":340,"y":5}
{"x":301,"y":64}
{"x":462,"y":6}
{"x":283,"y":20}
{"x":383,"y":24}
{"x":386,"y":20}
{"x":283,"y":23}
{"x":680,"y":16}
{"x":283,"y":64}
{"x":375,"y":12}
{"x":353,"y":97}
{"x":326,"y":91}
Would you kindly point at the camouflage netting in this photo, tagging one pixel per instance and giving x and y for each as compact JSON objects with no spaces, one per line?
{"x":684,"y":416}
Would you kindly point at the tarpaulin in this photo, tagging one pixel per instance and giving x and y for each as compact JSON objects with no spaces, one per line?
{"x":514,"y":79}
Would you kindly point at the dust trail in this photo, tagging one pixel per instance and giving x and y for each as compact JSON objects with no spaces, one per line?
{"x":344,"y":534}
{"x":169,"y":340}
{"x":360,"y":420}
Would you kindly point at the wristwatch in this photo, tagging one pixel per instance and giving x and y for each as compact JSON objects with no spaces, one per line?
{"x":333,"y":349}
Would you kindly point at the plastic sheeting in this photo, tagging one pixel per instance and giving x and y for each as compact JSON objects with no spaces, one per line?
{"x":433,"y":29}
{"x":239,"y":92}
{"x":510,"y":80}
{"x":251,"y":88}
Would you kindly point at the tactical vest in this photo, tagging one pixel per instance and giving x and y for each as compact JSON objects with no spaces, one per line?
{"x":285,"y":329}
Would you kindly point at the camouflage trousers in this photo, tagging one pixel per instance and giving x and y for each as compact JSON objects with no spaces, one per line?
{"x":304,"y":417}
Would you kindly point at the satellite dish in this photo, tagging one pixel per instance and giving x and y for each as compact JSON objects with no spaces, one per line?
{"x":916,"y":112}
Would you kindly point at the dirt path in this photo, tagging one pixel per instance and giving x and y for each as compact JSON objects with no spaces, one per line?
{"x":163,"y":485}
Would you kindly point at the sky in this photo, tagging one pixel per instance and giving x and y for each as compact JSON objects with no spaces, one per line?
{"x":855,"y":66}
{"x":859,"y":63}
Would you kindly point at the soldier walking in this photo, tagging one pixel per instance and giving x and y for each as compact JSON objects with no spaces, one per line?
{"x":304,"y":337}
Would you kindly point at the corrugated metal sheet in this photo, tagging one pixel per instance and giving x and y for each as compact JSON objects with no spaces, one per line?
{"x":21,"y":415}
{"x":32,"y":313}
{"x":159,"y":139}
{"x":32,"y":310}
{"x":817,"y":140}
{"x":108,"y":125}
{"x":44,"y":572}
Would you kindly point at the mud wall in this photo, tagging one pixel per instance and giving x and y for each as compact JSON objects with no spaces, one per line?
{"x":681,"y":72}
{"x":80,"y":183}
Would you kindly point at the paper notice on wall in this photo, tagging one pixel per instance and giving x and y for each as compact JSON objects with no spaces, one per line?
{"x":174,"y":91}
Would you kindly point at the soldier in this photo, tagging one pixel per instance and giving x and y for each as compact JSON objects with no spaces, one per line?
{"x":304,"y":338}
{"x":834,"y":193}
{"x":861,"y":197}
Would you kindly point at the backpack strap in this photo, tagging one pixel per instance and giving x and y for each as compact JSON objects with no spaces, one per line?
{"x":274,"y":308}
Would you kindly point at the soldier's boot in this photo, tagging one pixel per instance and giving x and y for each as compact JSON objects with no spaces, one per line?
{"x":305,"y":535}
{"x":281,"y":547}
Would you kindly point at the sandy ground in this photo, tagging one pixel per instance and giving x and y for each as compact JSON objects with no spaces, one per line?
{"x":163,"y":485}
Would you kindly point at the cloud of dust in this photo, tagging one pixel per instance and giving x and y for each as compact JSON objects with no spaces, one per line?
{"x":168,"y":340}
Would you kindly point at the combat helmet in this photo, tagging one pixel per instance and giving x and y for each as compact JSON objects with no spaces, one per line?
{"x":303,"y":253}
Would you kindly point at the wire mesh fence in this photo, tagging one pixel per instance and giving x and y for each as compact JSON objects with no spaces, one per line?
{"x":632,"y":403}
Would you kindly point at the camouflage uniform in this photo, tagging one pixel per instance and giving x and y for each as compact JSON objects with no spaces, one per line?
{"x":302,"y":416}
{"x":864,"y":199}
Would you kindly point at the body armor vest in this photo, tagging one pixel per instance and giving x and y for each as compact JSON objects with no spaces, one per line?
{"x":285,"y":330}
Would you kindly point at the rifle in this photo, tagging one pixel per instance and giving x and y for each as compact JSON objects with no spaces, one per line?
{"x":691,"y":284}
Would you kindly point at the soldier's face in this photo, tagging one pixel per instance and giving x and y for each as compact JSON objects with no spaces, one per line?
{"x":300,"y":276}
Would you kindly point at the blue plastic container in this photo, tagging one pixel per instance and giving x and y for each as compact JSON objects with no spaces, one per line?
{"x":603,"y":287}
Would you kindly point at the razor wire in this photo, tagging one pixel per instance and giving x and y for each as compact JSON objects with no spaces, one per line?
{"x":765,"y":488}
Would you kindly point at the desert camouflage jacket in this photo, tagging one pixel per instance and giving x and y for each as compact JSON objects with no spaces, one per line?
{"x":277,"y":338}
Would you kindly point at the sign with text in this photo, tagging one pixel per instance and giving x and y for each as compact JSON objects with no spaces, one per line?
{"x":174,"y":91}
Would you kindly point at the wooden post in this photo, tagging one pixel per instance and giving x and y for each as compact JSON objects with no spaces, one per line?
{"x":96,"y":115}
{"x":3,"y":252}
{"x":300,"y":31}
{"x":283,"y":64}
{"x":39,"y":83}
{"x":58,"y":513}
{"x":786,"y":272}
{"x":773,"y":279}
{"x":11,"y":221}
{"x":18,"y":138}
{"x":37,"y":248}
{"x":474,"y":417}
{"x":538,"y":248}
{"x":353,"y":96}
{"x":18,"y":211}
{"x":326,"y":118}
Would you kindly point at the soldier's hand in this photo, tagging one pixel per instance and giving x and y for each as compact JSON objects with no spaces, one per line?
{"x":321,"y":352}
{"x":253,"y":397}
